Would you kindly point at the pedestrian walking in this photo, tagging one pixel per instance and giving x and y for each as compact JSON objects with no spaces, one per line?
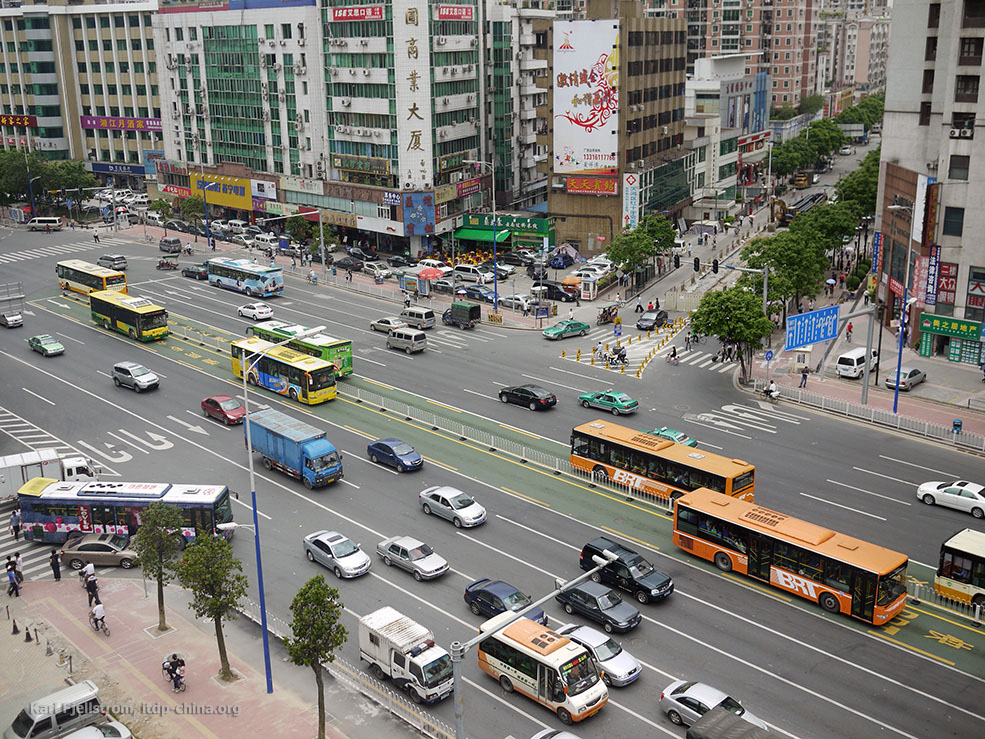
{"x":10,"y":563}
{"x":650,"y":306}
{"x":14,"y":588}
{"x":803,"y":377}
{"x":56,"y":565}
{"x":526,"y":309}
{"x":810,"y":304}
{"x":15,"y":524}
{"x":639,"y":303}
{"x":95,"y":236}
{"x":92,"y":588}
{"x":687,"y":342}
{"x":597,"y":350}
{"x":19,"y":566}
{"x":571,"y":314}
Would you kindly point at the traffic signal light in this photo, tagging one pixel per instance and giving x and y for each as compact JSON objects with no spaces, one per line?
{"x":714,"y":266}
{"x":697,"y":264}
{"x":677,"y":261}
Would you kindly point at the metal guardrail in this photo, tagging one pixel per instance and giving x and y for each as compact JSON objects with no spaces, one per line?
{"x":954,"y":608}
{"x":960,"y":440}
{"x":218,"y":344}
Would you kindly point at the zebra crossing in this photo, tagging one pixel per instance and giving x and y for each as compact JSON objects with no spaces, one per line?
{"x":37,"y":438}
{"x":60,"y":250}
{"x":700,"y":359}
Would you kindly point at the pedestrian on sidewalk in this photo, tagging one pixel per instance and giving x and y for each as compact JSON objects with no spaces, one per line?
{"x":19,"y":566}
{"x":803,"y":377}
{"x":92,"y":588}
{"x":639,"y":303}
{"x":526,"y":309}
{"x":687,"y":342}
{"x":56,"y":565}
{"x":15,"y":524}
{"x":810,"y":304}
{"x":650,"y":306}
{"x":571,"y":314}
{"x":14,"y":587}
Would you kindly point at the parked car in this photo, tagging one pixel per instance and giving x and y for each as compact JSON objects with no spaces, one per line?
{"x":519,"y":301}
{"x":961,"y":494}
{"x":387,"y":324}
{"x":537,"y":272}
{"x":600,"y":604}
{"x":503,"y":269}
{"x":100,"y":549}
{"x":46,"y":345}
{"x":108,"y":730}
{"x":533,"y":397}
{"x":134,"y":376}
{"x":11,"y":319}
{"x":256,"y":311}
{"x":652,"y":319}
{"x":489,"y":598}
{"x":437,"y":264}
{"x":628,"y":571}
{"x":362,"y":254}
{"x":444,"y":285}
{"x":845,"y":150}
{"x":223,"y":408}
{"x":561,"y":261}
{"x":907,"y":378}
{"x":566,"y":328}
{"x":618,"y":667}
{"x":685,"y":702}
{"x":412,"y":555}
{"x":479,"y":292}
{"x":243,"y":240}
{"x":195,"y":271}
{"x":517,"y":258}
{"x":396,"y":453}
{"x":177,"y":225}
{"x":452,"y":504}
{"x":588,"y":273}
{"x":338,"y":553}
{"x":154,"y":218}
{"x":615,"y":402}
{"x":377,"y":269}
{"x":349,"y":262}
{"x":674,"y":435}
{"x":398,"y":260}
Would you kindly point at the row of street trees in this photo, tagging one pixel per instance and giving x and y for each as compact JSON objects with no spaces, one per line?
{"x":215,"y":579}
{"x":635,"y":247}
{"x":14,"y":180}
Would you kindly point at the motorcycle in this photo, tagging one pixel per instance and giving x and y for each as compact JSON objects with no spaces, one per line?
{"x":166,"y":264}
{"x":187,"y":249}
{"x":607,"y":313}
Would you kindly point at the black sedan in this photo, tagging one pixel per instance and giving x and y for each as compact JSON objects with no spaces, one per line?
{"x":600,"y":604}
{"x":366,"y":255}
{"x":180,"y":226}
{"x":349,"y":262}
{"x":195,"y":271}
{"x":652,"y":319}
{"x":517,"y":259}
{"x":489,"y":598}
{"x":532,"y":396}
{"x":399,"y":260}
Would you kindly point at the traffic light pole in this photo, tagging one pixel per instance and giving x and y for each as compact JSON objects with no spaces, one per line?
{"x":765,"y":272}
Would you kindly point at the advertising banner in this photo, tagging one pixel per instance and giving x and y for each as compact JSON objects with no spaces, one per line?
{"x":920,"y":279}
{"x":231,"y":192}
{"x":876,"y":250}
{"x":419,"y":214}
{"x":111,"y":168}
{"x":412,"y":91}
{"x":455,"y":13}
{"x":630,"y":200}
{"x":591,"y":186}
{"x":263,"y":189}
{"x":933,"y":271}
{"x":947,"y":283}
{"x":358,"y":13}
{"x":586,"y":97}
{"x":18,"y":121}
{"x":151,"y":158}
{"x":120,"y":124}
{"x":298,"y":184}
{"x":181,"y":192}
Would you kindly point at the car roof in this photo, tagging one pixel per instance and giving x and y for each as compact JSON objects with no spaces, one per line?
{"x":391,"y":441}
{"x":446,"y":490}
{"x":407,"y":542}
{"x":89,"y":538}
{"x":219,"y":398}
{"x":588,"y":635}
{"x":591,"y":588}
{"x":706,"y":694}
{"x":532,"y":388}
{"x":500,"y":588}
{"x":128,"y":364}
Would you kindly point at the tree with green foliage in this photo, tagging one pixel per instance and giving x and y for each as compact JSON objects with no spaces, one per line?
{"x":659,"y":230}
{"x":217,"y":584}
{"x":827,"y":225}
{"x":861,"y":185}
{"x":192,"y":208}
{"x":71,"y":175}
{"x":298,"y":228}
{"x":162,"y":206}
{"x":735,"y":314}
{"x":316,"y":633}
{"x":810,"y":104}
{"x":867,"y":111}
{"x":653,"y":235}
{"x":158,"y":547}
{"x":797,"y":264}
{"x":784,"y":113}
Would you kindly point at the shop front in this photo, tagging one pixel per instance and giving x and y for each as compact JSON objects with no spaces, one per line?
{"x":958,"y":339}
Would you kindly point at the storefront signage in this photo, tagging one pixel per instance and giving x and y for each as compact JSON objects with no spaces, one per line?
{"x":514,"y":223}
{"x":956,"y":328}
{"x":19,"y":121}
{"x":444,"y":193}
{"x":181,"y":192}
{"x":451,"y":161}
{"x":358,"y":13}
{"x":263,"y":189}
{"x":933,"y":272}
{"x":151,"y":158}
{"x":896,"y":287}
{"x":110,"y":168}
{"x":468,"y":187}
{"x":120,"y":124}
{"x":947,"y":283}
{"x":591,"y":186}
{"x":630,"y":200}
{"x":455,"y":13}
{"x":876,"y":250}
{"x":231,"y":192}
{"x":365,"y":165}
{"x":166,"y":166}
{"x":298,"y":184}
{"x":391,"y":198}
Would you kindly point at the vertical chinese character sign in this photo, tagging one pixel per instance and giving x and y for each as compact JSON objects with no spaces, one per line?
{"x":586,"y":97}
{"x":412,"y":51}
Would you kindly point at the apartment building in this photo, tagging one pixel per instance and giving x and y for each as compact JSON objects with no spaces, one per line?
{"x":929,"y":217}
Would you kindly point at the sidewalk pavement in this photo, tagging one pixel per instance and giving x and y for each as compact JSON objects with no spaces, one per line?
{"x":127,"y":668}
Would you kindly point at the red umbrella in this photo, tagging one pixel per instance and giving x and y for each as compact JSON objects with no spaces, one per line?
{"x":430,"y":273}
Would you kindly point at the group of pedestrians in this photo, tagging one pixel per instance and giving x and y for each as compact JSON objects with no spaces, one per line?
{"x":15,"y":574}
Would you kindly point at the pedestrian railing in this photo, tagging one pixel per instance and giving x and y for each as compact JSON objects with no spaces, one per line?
{"x":219,"y":344}
{"x":937,"y":432}
{"x":971,"y":612}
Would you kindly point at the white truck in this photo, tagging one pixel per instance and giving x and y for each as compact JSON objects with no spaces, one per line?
{"x":401,"y":649}
{"x":16,"y":469}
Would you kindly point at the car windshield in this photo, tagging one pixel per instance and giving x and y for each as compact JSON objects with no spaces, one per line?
{"x":139,"y":371}
{"x":344,"y":549}
{"x":22,"y":724}
{"x":438,"y":671}
{"x":609,"y":600}
{"x":325,"y":461}
{"x":516,"y":601}
{"x":230,"y":405}
{"x":640,"y":568}
{"x":119,"y":541}
{"x":579,"y":674}
{"x":732,"y":705}
{"x":608,"y":650}
{"x":402,"y":449}
{"x":420,"y":552}
{"x":461,"y":501}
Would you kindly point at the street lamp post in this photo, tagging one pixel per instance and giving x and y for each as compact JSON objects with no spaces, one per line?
{"x":253,"y":493}
{"x":30,"y":186}
{"x":492,"y":169}
{"x":906,"y":304}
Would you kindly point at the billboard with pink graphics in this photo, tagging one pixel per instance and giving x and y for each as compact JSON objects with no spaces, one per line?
{"x":586,"y":97}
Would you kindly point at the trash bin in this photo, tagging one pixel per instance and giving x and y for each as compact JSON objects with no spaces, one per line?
{"x":956,"y":425}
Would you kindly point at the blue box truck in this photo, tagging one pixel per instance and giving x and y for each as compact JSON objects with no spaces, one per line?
{"x":294,"y":447}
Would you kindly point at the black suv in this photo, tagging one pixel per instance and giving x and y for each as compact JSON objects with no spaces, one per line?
{"x":629,"y":571}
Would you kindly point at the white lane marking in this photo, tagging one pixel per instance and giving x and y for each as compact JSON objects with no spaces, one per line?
{"x":918,"y":466}
{"x":200,"y":429}
{"x":552,"y":382}
{"x":716,"y":428}
{"x":506,"y":554}
{"x":49,"y":402}
{"x":369,"y":462}
{"x":371,"y":361}
{"x":886,"y":477}
{"x":481,"y":395}
{"x":576,"y":374}
{"x":869,"y":492}
{"x":839,"y":505}
{"x":538,"y":533}
{"x":120,"y":438}
{"x":70,"y":338}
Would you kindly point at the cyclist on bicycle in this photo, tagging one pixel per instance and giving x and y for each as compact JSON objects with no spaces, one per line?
{"x":98,"y":615}
{"x":86,"y":572}
{"x":848,"y":331}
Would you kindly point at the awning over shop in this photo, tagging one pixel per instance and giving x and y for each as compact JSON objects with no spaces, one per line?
{"x":481,"y":234}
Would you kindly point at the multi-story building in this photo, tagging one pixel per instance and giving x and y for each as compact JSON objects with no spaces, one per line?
{"x":613,"y":122}
{"x":854,"y":50}
{"x":929,"y":218}
{"x":79,"y":81}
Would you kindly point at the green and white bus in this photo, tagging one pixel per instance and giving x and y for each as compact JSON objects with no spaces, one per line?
{"x":336,"y":351}
{"x":136,"y":317}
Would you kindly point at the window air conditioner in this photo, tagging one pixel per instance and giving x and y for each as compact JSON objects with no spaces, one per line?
{"x":365,"y":73}
{"x":441,"y":41}
{"x":360,"y":132}
{"x":301,"y":42}
{"x":364,"y":41}
{"x":967,"y":133}
{"x":346,"y":102}
{"x":956,"y":133}
{"x":639,"y":163}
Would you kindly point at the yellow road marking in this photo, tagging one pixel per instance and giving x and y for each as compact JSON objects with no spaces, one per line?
{"x":388,"y":387}
{"x":924,"y":652}
{"x":435,"y":402}
{"x":945,"y":620}
{"x":527,"y":497}
{"x":519,"y":431}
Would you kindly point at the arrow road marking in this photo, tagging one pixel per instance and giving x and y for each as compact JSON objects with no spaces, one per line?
{"x":144,"y":451}
{"x":162,"y":441}
{"x":190,"y":427}
{"x":118,"y":457}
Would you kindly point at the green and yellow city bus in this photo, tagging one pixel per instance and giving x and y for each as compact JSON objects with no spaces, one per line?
{"x":336,"y":351}
{"x":136,"y":317}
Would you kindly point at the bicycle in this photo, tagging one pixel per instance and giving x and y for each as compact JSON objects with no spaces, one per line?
{"x":166,"y":672}
{"x":101,"y":626}
{"x":698,"y":339}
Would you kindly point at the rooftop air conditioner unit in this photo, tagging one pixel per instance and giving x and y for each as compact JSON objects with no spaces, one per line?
{"x":343,"y":42}
{"x":365,"y":73}
{"x":266,"y":115}
{"x":265,"y":95}
{"x":334,"y":72}
{"x":263,"y":61}
{"x":304,"y":71}
{"x":631,"y":165}
{"x":441,"y":41}
{"x":664,"y":130}
{"x":346,"y":102}
{"x":364,"y":41}
{"x":263,"y":86}
{"x":408,"y":185}
{"x":956,"y":133}
{"x":967,"y":133}
{"x":442,"y":134}
{"x":352,"y":70}
{"x":473,"y":41}
{"x":283,"y":42}
{"x":282,"y":95}
{"x":271,"y":43}
{"x":378,"y":133}
{"x":454,"y":71}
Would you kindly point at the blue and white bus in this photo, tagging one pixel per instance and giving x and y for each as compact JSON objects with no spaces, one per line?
{"x":51,"y":510}
{"x":245,"y":276}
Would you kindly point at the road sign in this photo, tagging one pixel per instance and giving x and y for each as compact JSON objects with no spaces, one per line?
{"x":769,"y":355}
{"x":542,"y":311}
{"x":617,"y":329}
{"x":810,"y":328}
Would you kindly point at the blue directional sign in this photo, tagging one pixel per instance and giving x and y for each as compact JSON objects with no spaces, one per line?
{"x":810,"y":328}
{"x":769,"y":355}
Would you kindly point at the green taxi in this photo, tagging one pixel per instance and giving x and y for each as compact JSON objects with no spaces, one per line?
{"x":46,"y":344}
{"x":674,"y":435}
{"x":615,"y":402}
{"x":566,"y":328}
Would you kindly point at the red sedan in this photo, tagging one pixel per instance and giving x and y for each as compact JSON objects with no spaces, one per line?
{"x":223,"y":408}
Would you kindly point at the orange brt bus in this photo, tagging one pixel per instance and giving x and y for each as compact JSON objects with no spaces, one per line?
{"x":840,"y":573}
{"x":656,"y":466}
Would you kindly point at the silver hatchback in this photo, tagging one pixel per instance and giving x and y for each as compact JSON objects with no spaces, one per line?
{"x":135,"y":376}
{"x":452,"y":504}
{"x":619,"y":668}
{"x":686,"y":702}
{"x":412,"y":555}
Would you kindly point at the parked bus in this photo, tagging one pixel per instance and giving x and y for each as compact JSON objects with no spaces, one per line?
{"x":542,"y":665}
{"x":961,"y":571}
{"x":82,"y":277}
{"x":139,"y":318}
{"x":51,"y":510}
{"x":336,"y":351}
{"x":838,"y":572}
{"x":302,"y":378}
{"x":654,"y":465}
{"x":245,"y":276}
{"x":803,"y":205}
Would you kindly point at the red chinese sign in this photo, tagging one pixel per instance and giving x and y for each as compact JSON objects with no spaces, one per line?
{"x":358,"y":13}
{"x":455,"y":13}
{"x":896,"y":286}
{"x":21,"y":121}
{"x":591,"y":186}
{"x":181,"y":192}
{"x":947,"y":283}
{"x":85,"y":518}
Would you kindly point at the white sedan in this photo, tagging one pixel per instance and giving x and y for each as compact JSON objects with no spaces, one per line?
{"x":387,"y":324}
{"x":256,"y":311}
{"x":961,"y":494}
{"x":517,"y":302}
{"x":377,"y":269}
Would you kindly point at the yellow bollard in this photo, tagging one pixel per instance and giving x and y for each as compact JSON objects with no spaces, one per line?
{"x":637,"y":374}
{"x":562,"y":354}
{"x":578,"y":356}
{"x":622,"y":369}
{"x":607,"y":347}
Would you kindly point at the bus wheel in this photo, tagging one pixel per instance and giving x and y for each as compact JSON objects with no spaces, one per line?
{"x":180,"y":541}
{"x":252,"y":379}
{"x":293,"y":393}
{"x":978,"y":600}
{"x":505,"y":684}
{"x":106,"y":324}
{"x":132,"y":333}
{"x":564,"y":716}
{"x":600,"y":473}
{"x":829,"y":603}
{"x":723,"y":562}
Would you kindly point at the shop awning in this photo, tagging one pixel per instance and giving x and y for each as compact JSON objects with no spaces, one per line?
{"x":481,"y":234}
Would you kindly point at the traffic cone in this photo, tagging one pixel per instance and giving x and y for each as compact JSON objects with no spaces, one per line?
{"x":16,"y":630}
{"x":27,"y":636}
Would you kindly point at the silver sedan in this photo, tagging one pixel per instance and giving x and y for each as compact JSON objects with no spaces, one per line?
{"x":452,"y":504}
{"x":338,"y":553}
{"x":412,"y":555}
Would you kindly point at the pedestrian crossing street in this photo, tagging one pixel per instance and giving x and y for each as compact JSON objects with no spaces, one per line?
{"x":700,"y":356}
{"x":35,"y":555}
{"x":61,"y":250}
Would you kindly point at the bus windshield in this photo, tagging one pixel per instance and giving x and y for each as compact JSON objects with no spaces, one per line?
{"x":579,"y":674}
{"x":744,"y":480}
{"x":892,"y":586}
{"x":223,"y":510}
{"x":155,"y":320}
{"x":321,"y":380}
{"x":115,"y":280}
{"x":438,"y":671}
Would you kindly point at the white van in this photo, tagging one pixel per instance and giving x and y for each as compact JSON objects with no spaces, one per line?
{"x":45,"y":223}
{"x":852,"y":363}
{"x":236,"y":227}
{"x":409,"y":339}
{"x":266,"y":240}
{"x":58,"y":713}
{"x":473,"y":273}
{"x":418,"y":316}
